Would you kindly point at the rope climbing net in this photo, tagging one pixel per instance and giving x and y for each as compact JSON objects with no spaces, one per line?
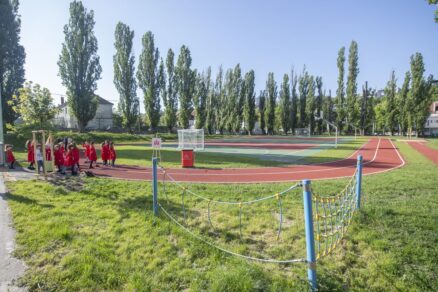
{"x":332,"y":215}
{"x":185,"y":192}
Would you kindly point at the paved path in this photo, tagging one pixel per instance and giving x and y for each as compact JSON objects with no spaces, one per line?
{"x":379,"y":155}
{"x":421,"y":147}
{"x":10,"y":267}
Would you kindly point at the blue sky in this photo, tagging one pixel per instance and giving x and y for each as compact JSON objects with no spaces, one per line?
{"x":267,"y":36}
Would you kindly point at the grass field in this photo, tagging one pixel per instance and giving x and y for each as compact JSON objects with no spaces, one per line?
{"x":100,"y":234}
{"x":433,"y":143}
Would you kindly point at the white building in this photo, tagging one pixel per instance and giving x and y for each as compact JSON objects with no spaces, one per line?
{"x":431,"y":127}
{"x":103,"y":120}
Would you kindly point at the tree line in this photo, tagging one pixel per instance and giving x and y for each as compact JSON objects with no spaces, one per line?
{"x":174,"y":93}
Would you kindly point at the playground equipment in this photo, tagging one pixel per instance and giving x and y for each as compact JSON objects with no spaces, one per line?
{"x":46,"y":148}
{"x":190,"y":140}
{"x":321,"y":117}
{"x":326,"y":218}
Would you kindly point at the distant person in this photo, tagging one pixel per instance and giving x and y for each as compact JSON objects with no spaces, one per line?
{"x":86,"y":146}
{"x":76,"y":156}
{"x":104,"y":152}
{"x":112,"y":154}
{"x":70,"y":160}
{"x":93,"y":155}
{"x":59,"y":158}
{"x":39,"y":158}
{"x":10,"y":158}
{"x":30,"y":154}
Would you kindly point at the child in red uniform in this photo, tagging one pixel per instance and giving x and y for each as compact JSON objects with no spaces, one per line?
{"x":92,"y":153}
{"x":10,"y":159}
{"x":59,"y":158}
{"x":113,"y":154}
{"x":76,"y":155}
{"x":70,"y":160}
{"x":105,"y":152}
{"x":86,"y":146}
{"x":30,"y":154}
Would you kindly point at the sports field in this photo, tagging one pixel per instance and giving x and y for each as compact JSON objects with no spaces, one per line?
{"x":101,"y":234}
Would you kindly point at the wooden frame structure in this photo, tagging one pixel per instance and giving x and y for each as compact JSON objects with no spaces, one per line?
{"x":43,"y":148}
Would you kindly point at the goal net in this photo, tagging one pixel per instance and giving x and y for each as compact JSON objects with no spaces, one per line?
{"x":191,"y":139}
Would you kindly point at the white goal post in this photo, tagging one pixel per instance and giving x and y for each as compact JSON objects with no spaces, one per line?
{"x":191,"y":139}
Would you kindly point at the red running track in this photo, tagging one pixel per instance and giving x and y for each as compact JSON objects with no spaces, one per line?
{"x":421,"y":147}
{"x":379,"y":155}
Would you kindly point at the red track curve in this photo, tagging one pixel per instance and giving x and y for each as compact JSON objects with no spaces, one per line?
{"x":379,"y":155}
{"x":421,"y":147}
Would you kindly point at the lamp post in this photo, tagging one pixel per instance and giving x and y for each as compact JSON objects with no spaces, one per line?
{"x":2,"y":140}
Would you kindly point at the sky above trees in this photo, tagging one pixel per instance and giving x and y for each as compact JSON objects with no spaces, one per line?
{"x":265,"y":36}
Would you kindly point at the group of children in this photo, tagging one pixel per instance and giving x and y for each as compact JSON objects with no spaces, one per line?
{"x":66,"y":155}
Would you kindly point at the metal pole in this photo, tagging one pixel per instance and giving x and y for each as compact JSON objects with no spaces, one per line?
{"x":336,"y":139}
{"x":310,"y":241}
{"x":2,"y":140}
{"x":155,"y":186}
{"x":358,"y":181}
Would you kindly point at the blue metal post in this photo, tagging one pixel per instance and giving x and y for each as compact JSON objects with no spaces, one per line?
{"x":155,"y":185}
{"x":358,"y":181}
{"x":310,"y":241}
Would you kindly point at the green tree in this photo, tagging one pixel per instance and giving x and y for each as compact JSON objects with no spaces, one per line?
{"x":364,"y":108}
{"x":319,"y":104}
{"x":148,"y":81}
{"x":235,"y":100}
{"x":170,"y":100}
{"x":311,"y":104}
{"x":403,"y":104}
{"x":284,"y":107}
{"x":210,"y":119}
{"x":262,"y":110}
{"x":202,"y":87}
{"x":303,"y":88}
{"x":35,"y":105}
{"x":220,"y":98}
{"x":391,"y":107}
{"x":185,"y":85}
{"x":380,"y":110}
{"x":353,"y":72}
{"x":249,"y":110}
{"x":420,"y":93}
{"x":124,"y":78}
{"x":294,"y":103}
{"x":271,"y":98}
{"x":12,"y":58}
{"x":434,"y":2}
{"x":79,"y":65}
{"x":340,"y":92}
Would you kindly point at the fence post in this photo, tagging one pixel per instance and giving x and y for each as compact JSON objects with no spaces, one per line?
{"x":310,"y":241}
{"x":155,"y":186}
{"x":358,"y":181}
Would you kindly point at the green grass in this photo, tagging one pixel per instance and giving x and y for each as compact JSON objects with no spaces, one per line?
{"x":100,"y":234}
{"x":433,"y":143}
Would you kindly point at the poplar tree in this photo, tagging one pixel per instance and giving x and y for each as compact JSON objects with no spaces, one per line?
{"x":403,"y":104}
{"x":353,"y":71}
{"x":12,"y":58}
{"x":220,"y":98}
{"x":294,"y":103}
{"x":124,"y":79}
{"x":79,"y":65}
{"x":271,"y":97}
{"x":249,"y":110}
{"x":340,"y":92}
{"x":185,"y":85}
{"x":285,"y":104}
{"x":200,"y":99}
{"x":170,"y":100}
{"x":229,"y":101}
{"x":237,"y":100}
{"x":210,"y":119}
{"x":319,"y":103}
{"x":364,"y":109}
{"x":310,"y":104}
{"x":391,"y":107}
{"x":303,"y":88}
{"x":147,"y":75}
{"x":262,"y":110}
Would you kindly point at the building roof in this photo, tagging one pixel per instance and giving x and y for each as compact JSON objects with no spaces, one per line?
{"x":99,"y":99}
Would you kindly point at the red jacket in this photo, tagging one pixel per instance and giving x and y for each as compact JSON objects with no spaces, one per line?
{"x":105,"y":153}
{"x":59,"y":157}
{"x":30,"y":153}
{"x":10,"y":156}
{"x":48,"y":154}
{"x":112,"y":153}
{"x":93,"y":155}
{"x":69,"y":158}
{"x":75,"y":152}
{"x":87,"y":150}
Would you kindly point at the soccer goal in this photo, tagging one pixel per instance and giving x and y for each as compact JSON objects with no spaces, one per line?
{"x":191,"y":139}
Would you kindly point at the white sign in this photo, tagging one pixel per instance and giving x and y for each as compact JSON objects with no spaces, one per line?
{"x":156,"y":143}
